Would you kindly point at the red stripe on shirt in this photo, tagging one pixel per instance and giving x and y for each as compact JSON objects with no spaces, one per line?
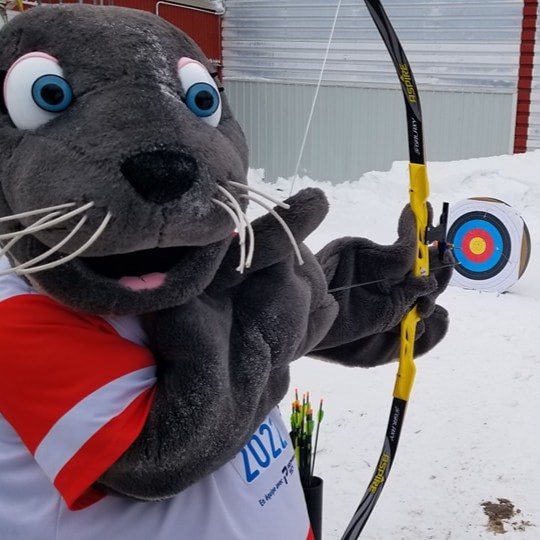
{"x":52,"y":358}
{"x":75,"y":479}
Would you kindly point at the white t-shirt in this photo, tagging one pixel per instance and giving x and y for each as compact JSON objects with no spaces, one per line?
{"x":75,"y":392}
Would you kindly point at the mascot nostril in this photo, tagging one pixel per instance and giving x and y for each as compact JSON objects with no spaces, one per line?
{"x":141,"y":373}
{"x":162,"y":175}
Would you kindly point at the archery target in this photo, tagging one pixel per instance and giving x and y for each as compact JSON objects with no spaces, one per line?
{"x":491,"y":244}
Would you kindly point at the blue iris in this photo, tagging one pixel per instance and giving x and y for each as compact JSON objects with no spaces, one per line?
{"x":202,"y":99}
{"x":52,"y":93}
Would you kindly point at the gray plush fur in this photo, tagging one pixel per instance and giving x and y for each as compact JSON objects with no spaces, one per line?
{"x":223,"y":341}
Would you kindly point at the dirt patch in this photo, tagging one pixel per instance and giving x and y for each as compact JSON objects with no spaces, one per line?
{"x":504,"y":516}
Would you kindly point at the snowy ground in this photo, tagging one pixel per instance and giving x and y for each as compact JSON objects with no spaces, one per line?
{"x":472,"y":433}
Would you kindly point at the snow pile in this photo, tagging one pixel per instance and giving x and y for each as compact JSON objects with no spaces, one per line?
{"x":468,"y":464}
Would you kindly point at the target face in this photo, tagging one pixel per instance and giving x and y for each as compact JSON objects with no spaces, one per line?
{"x":491,"y":244}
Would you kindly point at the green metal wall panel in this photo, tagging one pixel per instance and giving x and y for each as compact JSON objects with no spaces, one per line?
{"x":355,"y":130}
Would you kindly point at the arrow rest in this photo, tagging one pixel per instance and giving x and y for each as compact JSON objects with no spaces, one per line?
{"x":436,"y":235}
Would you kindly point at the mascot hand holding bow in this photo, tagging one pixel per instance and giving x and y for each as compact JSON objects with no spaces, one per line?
{"x":143,"y":343}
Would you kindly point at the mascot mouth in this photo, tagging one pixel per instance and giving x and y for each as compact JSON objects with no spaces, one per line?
{"x":140,"y":270}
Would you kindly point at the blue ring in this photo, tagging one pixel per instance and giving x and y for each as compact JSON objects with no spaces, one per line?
{"x":497,"y":241}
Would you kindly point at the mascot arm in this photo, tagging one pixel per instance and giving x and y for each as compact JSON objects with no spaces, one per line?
{"x":223,"y":358}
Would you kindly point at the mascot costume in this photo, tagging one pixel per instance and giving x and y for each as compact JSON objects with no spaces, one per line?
{"x":146,"y":327}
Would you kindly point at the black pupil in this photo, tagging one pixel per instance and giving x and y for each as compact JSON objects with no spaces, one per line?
{"x":52,"y":94}
{"x":204,"y":100}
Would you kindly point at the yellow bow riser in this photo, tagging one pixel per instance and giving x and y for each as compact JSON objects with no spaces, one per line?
{"x":419,"y":193}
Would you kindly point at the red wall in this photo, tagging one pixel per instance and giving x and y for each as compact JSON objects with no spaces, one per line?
{"x":203,"y":26}
{"x":526,"y":66}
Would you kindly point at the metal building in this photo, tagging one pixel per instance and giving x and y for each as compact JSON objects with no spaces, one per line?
{"x":468,"y":59}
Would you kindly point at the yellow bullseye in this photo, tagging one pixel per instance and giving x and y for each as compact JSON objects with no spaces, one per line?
{"x":477,"y":245}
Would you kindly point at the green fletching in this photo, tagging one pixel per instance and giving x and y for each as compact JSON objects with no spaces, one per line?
{"x":302,"y":430}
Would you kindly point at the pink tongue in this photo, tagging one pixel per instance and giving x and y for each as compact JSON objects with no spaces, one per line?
{"x":140,"y":283}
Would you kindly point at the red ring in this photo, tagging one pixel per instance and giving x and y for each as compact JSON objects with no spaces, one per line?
{"x":467,"y":240}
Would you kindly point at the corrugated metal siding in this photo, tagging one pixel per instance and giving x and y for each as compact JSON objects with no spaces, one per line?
{"x":451,"y":44}
{"x":355,"y":130}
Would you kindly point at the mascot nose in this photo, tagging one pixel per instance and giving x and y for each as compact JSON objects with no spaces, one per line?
{"x":160,"y":176}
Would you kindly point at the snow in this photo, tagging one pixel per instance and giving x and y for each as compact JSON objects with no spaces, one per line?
{"x":471,"y":434}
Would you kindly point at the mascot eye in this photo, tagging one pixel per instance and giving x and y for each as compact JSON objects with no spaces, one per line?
{"x":35,"y":90}
{"x":52,"y":93}
{"x":202,"y":94}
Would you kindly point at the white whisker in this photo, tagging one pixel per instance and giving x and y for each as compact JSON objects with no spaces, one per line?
{"x":261,"y":193}
{"x":239,"y":227}
{"x":251,"y":236}
{"x":67,"y":258}
{"x":13,"y":241}
{"x":246,"y":224}
{"x":55,"y":248}
{"x":35,"y":228}
{"x":36,"y":212}
{"x":235,"y":206}
{"x":282,"y":223}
